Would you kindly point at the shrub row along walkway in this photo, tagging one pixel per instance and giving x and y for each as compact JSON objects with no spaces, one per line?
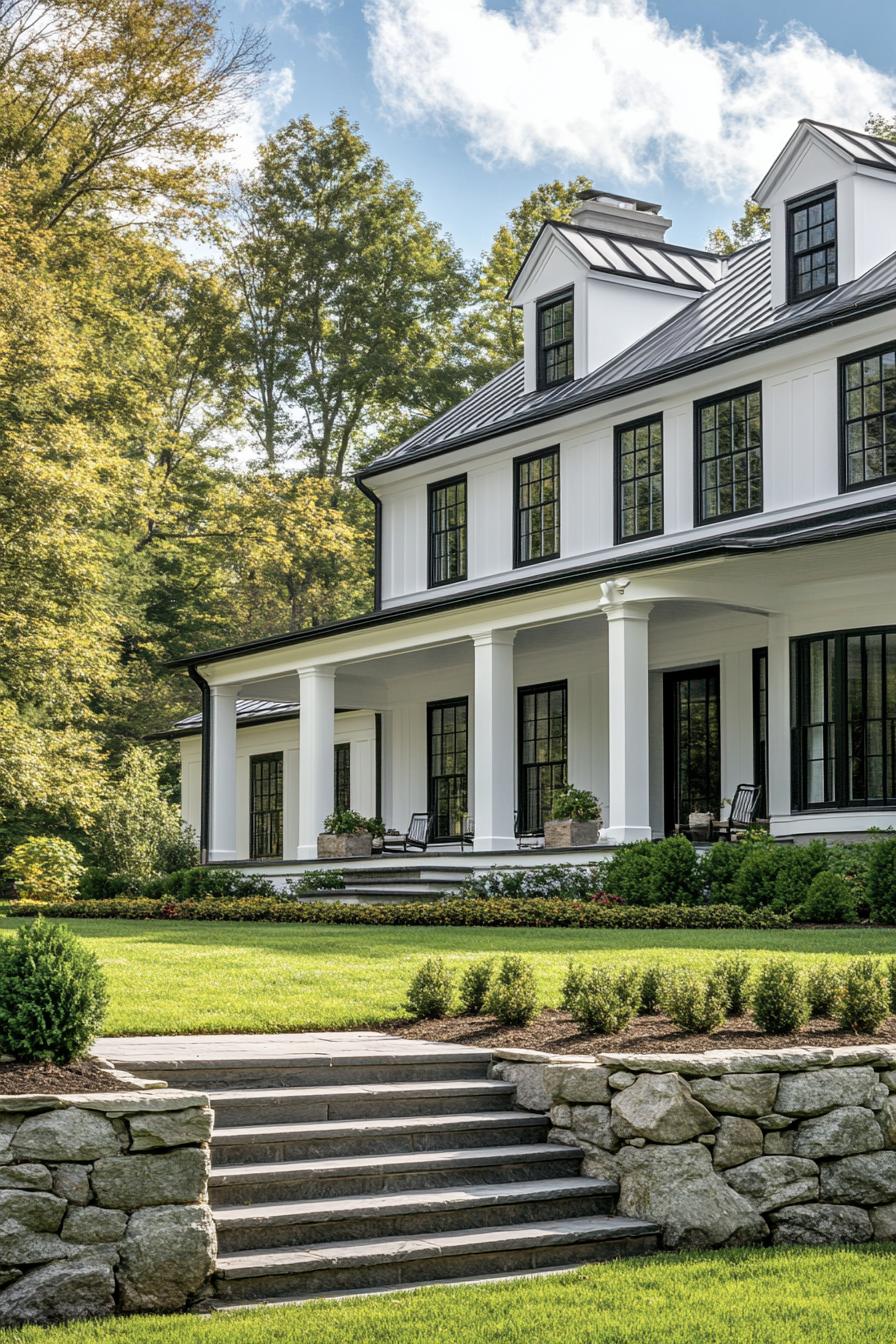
{"x":343,"y":1161}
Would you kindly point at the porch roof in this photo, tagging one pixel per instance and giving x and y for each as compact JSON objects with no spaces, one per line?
{"x":836,"y":525}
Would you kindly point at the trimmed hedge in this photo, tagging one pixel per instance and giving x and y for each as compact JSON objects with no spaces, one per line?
{"x":534,"y":913}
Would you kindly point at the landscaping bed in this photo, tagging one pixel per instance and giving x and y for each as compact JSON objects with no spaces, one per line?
{"x":555,"y":1032}
{"x":84,"y":1075}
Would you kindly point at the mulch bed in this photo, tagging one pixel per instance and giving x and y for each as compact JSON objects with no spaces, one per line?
{"x":556,"y":1032}
{"x":83,"y":1076}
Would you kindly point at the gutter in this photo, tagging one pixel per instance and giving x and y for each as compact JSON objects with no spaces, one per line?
{"x":205,"y":776}
{"x":377,"y":541}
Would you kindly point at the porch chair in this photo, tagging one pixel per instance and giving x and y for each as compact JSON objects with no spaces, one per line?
{"x":417,"y":835}
{"x":741,"y":815}
{"x":531,"y":838}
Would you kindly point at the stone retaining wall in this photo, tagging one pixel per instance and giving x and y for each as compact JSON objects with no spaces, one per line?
{"x":730,"y":1148}
{"x":103,"y":1204}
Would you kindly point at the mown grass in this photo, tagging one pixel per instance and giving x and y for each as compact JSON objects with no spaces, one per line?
{"x":203,"y":977}
{"x":781,"y":1296}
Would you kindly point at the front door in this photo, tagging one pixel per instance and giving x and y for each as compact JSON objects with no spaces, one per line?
{"x":691,"y":744}
{"x":447,"y":737}
{"x":542,"y":751}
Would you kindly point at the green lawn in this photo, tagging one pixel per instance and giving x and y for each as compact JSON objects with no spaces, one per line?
{"x":203,"y":977}
{"x":786,"y":1296}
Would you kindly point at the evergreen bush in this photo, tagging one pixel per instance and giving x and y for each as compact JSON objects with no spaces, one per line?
{"x":512,"y":998}
{"x":822,"y":988}
{"x":733,"y":974}
{"x":797,"y":867}
{"x":719,"y":868}
{"x":829,"y":900}
{"x":629,"y":874}
{"x":52,"y":994}
{"x":864,"y":1000}
{"x":572,"y":984}
{"x":694,"y":1003}
{"x":780,"y":1003}
{"x":890,"y":972}
{"x":474,"y":985}
{"x":881,"y":881}
{"x":138,"y":831}
{"x":431,"y":989}
{"x":652,"y":982}
{"x":676,"y":875}
{"x":607,"y":1001}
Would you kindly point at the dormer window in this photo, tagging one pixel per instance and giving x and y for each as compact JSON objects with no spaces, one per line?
{"x":555,"y":350}
{"x":812,"y":245}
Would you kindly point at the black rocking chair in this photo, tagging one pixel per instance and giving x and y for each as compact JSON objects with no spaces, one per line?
{"x":417,"y":836}
{"x":524,"y":839}
{"x":741,"y":815}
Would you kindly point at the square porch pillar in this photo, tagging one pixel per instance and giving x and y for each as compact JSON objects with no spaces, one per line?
{"x":222,"y":774}
{"x":493,"y":721}
{"x":628,"y":723}
{"x":317,"y":709}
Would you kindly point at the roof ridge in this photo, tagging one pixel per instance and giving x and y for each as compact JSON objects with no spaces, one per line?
{"x":661,"y":244}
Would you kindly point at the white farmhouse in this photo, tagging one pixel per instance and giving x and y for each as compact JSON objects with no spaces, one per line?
{"x":656,"y":558}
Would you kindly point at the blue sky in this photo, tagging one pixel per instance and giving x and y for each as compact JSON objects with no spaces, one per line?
{"x":682,"y":101}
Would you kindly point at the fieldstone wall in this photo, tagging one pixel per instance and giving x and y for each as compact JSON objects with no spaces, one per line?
{"x":729,"y":1148}
{"x":103,"y":1204}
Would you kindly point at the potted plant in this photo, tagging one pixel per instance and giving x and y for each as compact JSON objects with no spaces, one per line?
{"x":575,"y":819}
{"x":348,"y":835}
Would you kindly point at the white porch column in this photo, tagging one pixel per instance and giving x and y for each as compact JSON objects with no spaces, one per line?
{"x":493,"y":720}
{"x":222,"y":775}
{"x":628,"y":723}
{"x":317,"y":707}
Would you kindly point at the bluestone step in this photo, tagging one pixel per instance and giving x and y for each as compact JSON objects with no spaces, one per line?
{"x":258,"y":1106}
{"x":411,"y":1213}
{"x":400,"y":1260}
{"x":313,"y":1071}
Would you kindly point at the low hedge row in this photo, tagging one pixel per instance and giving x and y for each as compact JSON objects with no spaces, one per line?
{"x":533,"y":913}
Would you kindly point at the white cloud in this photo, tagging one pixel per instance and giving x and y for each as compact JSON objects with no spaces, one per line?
{"x":612,"y":87}
{"x":256,"y":116}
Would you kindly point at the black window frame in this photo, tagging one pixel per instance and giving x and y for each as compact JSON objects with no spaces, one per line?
{"x":543,"y":306}
{"x":439,"y":706}
{"x":342,"y":776}
{"x":760,"y":727}
{"x":838,"y":750}
{"x":632,"y":426}
{"x":525,"y":822}
{"x":728,"y":395}
{"x":804,"y":202}
{"x":858,"y":356}
{"x":262,"y":758}
{"x":519,"y":510}
{"x":433,"y":580}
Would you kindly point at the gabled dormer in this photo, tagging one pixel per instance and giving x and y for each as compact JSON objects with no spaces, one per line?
{"x":592,"y":287}
{"x":831,"y":194}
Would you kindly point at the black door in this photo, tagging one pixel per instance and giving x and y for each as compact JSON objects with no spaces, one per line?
{"x":266,"y":806}
{"x":447,"y":736}
{"x":542,"y":751}
{"x":691,"y":744}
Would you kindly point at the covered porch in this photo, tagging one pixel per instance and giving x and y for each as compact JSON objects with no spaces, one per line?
{"x":659,"y":691}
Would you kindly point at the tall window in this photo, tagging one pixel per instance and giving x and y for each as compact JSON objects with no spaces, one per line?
{"x":843,"y":693}
{"x":448,"y":531}
{"x":342,"y":776}
{"x":760,"y":727}
{"x":639,"y":479}
{"x":542,"y":751}
{"x":812,"y":245}
{"x":868,"y":418}
{"x":266,"y":806}
{"x":447,"y":767}
{"x":555,"y":341}
{"x":537,"y":491}
{"x":729,"y":455}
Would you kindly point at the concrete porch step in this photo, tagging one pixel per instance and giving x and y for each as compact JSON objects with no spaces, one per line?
{"x":386,"y":1135}
{"x":414,"y":1212}
{"x":340,"y":1178}
{"x":258,"y":1106}
{"x":388,"y":1261}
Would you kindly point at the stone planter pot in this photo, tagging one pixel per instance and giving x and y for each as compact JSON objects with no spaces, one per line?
{"x":357,"y":845}
{"x":699,"y":824}
{"x":570,"y":834}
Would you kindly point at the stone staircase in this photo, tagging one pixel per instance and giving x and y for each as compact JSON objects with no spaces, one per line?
{"x":385,"y":884}
{"x":385,"y":1163}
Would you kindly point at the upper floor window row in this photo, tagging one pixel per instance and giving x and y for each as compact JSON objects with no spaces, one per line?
{"x":812,"y":245}
{"x":554,"y":335}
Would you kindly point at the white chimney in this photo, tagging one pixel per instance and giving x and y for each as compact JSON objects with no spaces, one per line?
{"x":609,"y":213}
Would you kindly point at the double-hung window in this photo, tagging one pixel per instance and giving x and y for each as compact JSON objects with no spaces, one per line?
{"x":537,"y":507}
{"x":812,"y":245}
{"x":266,"y":806}
{"x":868,"y":418}
{"x":728,"y":467}
{"x":554,"y":318}
{"x":448,"y":531}
{"x":639,"y":479}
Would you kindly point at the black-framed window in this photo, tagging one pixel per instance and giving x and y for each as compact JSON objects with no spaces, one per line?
{"x":843,"y":719}
{"x":542,"y":751}
{"x":266,"y":806}
{"x":868,"y":418}
{"x":554,"y":324}
{"x":639,"y":478}
{"x":728,"y":450}
{"x":812,"y":245}
{"x":342,"y":776}
{"x":448,"y":741}
{"x":536,"y":488}
{"x":448,"y":531}
{"x":760,"y":727}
